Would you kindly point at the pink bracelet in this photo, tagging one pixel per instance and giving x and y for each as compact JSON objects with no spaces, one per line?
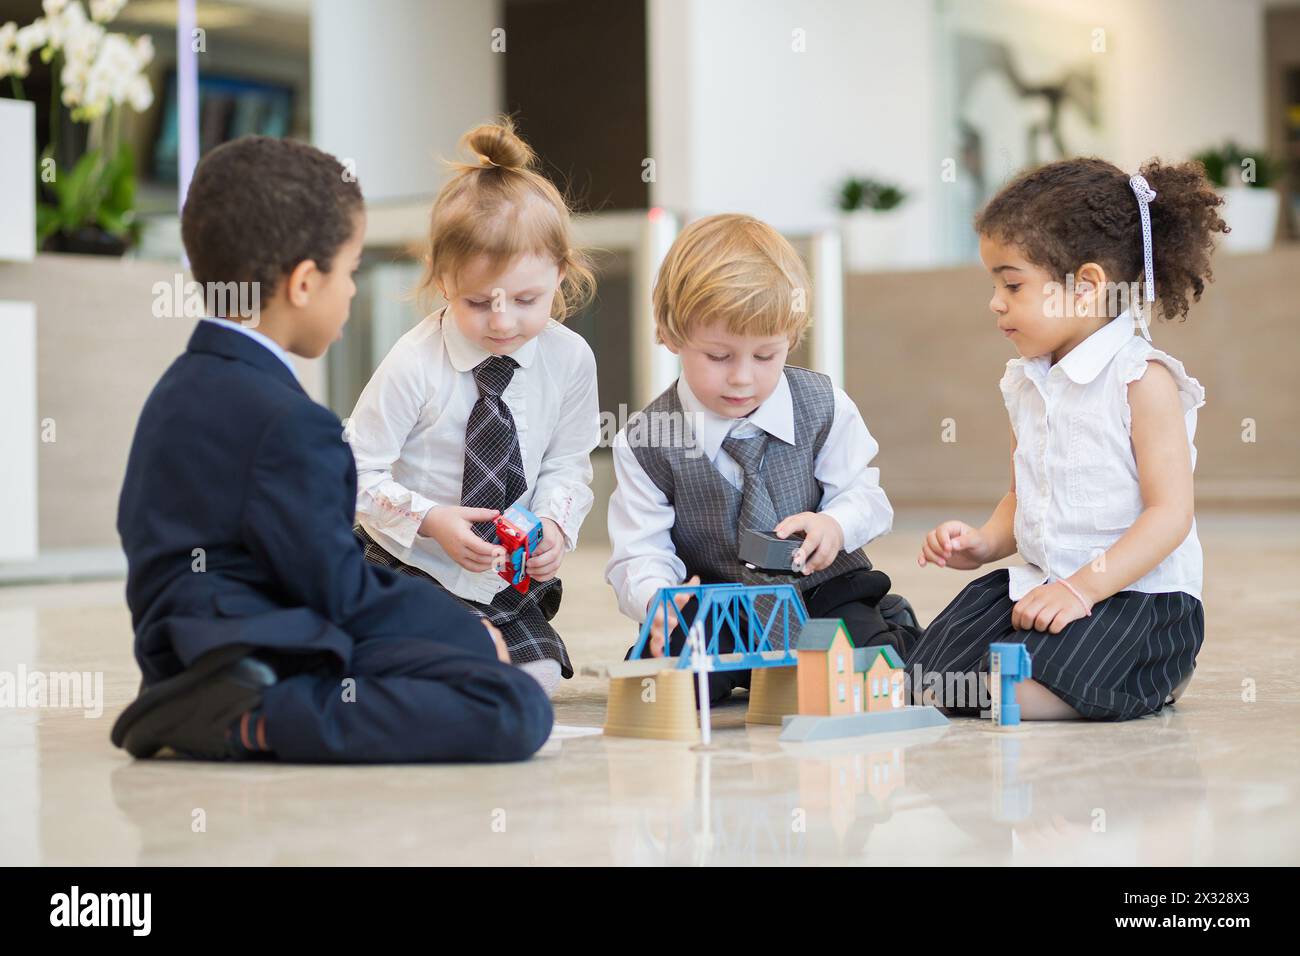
{"x":1087,"y":609}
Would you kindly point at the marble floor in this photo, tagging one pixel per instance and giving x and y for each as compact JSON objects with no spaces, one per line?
{"x":1214,"y":781}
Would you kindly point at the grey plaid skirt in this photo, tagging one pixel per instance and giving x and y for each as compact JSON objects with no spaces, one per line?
{"x":523,"y":619}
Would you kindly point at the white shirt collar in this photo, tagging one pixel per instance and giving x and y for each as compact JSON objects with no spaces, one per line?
{"x":775,"y":416}
{"x":465,"y":355}
{"x":1085,"y":361}
{"x":274,"y":347}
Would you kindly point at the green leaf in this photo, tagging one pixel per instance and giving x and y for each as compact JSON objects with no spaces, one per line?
{"x":86,"y":189}
{"x":74,"y":190}
{"x":121,"y":183}
{"x":888,"y":198}
{"x":1213,"y":162}
{"x":869,"y":194}
{"x":97,"y":191}
{"x":48,"y":222}
{"x":851,"y":195}
{"x":1223,"y":166}
{"x":111,"y":222}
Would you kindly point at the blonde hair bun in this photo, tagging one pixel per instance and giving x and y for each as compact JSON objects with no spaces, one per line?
{"x":500,"y":207}
{"x":497,"y":144}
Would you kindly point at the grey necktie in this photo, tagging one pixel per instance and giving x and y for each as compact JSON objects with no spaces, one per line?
{"x":756,"y":510}
{"x":494,"y":470}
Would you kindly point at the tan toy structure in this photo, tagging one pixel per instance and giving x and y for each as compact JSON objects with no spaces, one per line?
{"x":660,"y":706}
{"x":773,"y":693}
{"x":832,"y":684}
{"x":654,"y":698}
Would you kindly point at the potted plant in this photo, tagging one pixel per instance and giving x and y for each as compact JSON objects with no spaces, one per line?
{"x":870,"y":222}
{"x":86,"y":192}
{"x":1244,"y":178}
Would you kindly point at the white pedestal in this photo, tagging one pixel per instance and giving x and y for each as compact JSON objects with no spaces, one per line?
{"x":1251,"y":214}
{"x":18,"y":334}
{"x":18,"y":430}
{"x":17,"y":180}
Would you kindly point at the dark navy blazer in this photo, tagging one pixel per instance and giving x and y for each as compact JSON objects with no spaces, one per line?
{"x":232,"y":457}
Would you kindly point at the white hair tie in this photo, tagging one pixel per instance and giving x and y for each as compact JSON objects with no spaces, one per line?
{"x":1142,"y":189}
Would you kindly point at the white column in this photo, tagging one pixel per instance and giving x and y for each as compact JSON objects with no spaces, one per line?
{"x":187,"y":99}
{"x":396,"y":82}
{"x":765,"y":106}
{"x":17,"y":181}
{"x":671,"y":52}
{"x":18,"y":440}
{"x":18,"y":424}
{"x":653,"y":367}
{"x":826,"y":268}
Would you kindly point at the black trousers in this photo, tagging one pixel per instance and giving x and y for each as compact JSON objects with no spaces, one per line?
{"x":853,"y":597}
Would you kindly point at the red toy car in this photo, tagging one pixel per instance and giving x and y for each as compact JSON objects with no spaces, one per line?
{"x":520,"y":533}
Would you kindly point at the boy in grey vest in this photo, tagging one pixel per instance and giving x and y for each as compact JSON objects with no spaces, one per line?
{"x":743,"y":441}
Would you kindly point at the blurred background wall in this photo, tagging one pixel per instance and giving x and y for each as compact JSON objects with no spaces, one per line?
{"x":651,"y":113}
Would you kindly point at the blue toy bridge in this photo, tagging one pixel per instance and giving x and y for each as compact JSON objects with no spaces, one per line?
{"x":766,"y":611}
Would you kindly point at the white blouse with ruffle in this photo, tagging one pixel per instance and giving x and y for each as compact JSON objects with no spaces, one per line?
{"x":1077,"y":485}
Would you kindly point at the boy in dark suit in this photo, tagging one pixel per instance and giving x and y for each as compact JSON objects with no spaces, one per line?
{"x":259,"y":627}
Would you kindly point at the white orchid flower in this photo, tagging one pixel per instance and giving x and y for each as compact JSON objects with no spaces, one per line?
{"x":8,"y":59}
{"x":32,"y":37}
{"x":140,"y":94}
{"x":100,"y":70}
{"x":102,"y":11}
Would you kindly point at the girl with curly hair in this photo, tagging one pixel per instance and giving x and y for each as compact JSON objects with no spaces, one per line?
{"x":1100,"y":508}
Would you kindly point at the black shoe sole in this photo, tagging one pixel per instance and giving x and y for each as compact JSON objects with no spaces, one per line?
{"x":134,"y":733}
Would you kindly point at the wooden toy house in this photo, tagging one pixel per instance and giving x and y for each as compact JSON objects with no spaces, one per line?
{"x":882,"y":676}
{"x":828,"y":683}
{"x":837,"y":678}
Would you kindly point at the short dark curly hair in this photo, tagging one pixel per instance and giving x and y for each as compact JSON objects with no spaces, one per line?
{"x":1066,"y":213}
{"x":258,"y":206}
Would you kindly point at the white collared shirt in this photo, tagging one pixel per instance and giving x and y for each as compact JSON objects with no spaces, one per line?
{"x":1077,"y":488}
{"x":641,"y":519}
{"x":275,"y":348}
{"x":408,"y":437}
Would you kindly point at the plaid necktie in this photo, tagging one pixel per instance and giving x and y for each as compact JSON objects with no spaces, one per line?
{"x":494,"y":470}
{"x":756,"y":510}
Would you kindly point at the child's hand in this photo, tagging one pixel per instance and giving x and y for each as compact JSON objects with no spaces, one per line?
{"x":503,"y":654}
{"x":656,"y":643}
{"x":1048,"y":607}
{"x":453,"y":527}
{"x":954,"y":544}
{"x":823,"y":539}
{"x":544,"y":563}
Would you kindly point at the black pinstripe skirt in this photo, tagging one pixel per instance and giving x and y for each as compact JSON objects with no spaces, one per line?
{"x":1118,"y":664}
{"x":523,"y":619}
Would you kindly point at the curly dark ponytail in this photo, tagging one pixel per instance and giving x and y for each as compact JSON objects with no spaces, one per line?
{"x":1184,"y":219}
{"x":1083,"y":210}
